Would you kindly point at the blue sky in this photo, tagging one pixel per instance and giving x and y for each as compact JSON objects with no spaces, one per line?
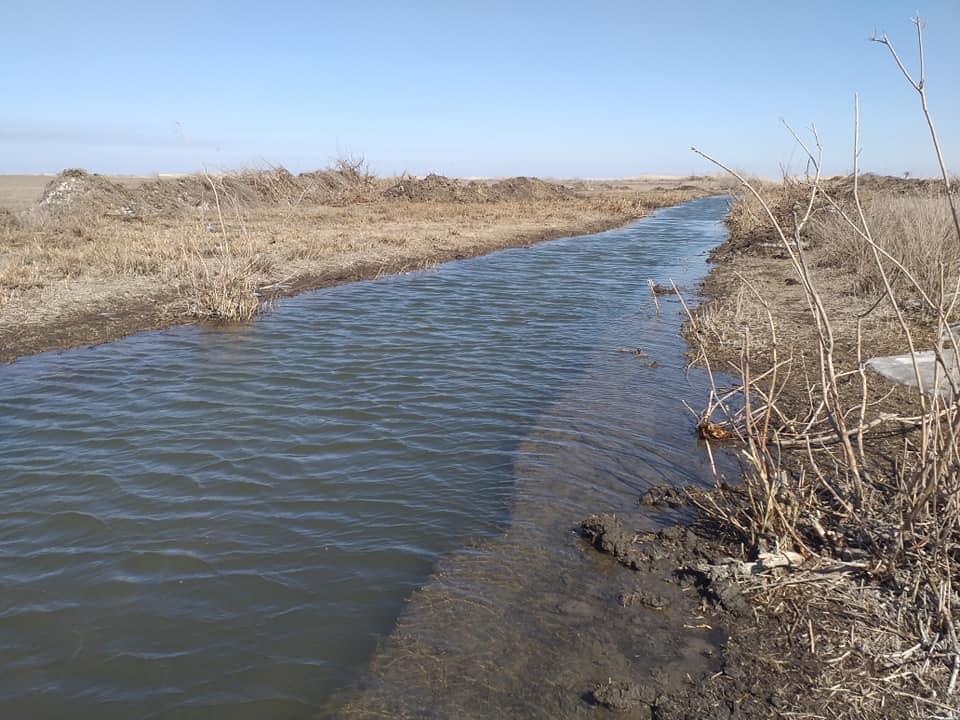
{"x":597,"y":88}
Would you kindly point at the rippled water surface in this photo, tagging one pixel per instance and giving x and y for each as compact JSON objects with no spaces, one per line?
{"x":226,"y":522}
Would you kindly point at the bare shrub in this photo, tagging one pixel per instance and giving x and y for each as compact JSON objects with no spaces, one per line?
{"x":865,"y":496}
{"x":224,"y":287}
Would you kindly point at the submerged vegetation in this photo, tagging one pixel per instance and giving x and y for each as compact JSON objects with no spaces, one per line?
{"x":854,"y":481}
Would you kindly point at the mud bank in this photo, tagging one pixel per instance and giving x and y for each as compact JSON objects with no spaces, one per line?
{"x":655,"y":629}
{"x":697,"y":568}
{"x":102,"y":316}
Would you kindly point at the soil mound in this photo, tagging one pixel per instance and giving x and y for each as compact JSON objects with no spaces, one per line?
{"x":344,"y":184}
{"x":246,"y":188}
{"x":171,"y":195}
{"x":437,"y":188}
{"x":527,"y":188}
{"x":77,"y":190}
{"x":81,"y":193}
{"x":886,"y":184}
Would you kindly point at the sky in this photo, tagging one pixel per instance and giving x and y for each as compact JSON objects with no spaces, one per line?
{"x":596,"y":88}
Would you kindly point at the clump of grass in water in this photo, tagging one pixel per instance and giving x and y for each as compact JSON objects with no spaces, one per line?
{"x":224,"y":288}
{"x":227,"y":292}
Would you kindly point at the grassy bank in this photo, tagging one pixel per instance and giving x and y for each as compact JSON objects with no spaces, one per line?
{"x":851,"y":482}
{"x":844,"y":533}
{"x":92,"y":258}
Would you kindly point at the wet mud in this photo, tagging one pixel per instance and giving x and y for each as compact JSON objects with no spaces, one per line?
{"x":600,"y":635}
{"x":647,"y":627}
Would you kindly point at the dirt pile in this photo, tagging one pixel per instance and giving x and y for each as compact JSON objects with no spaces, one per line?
{"x":886,"y":184}
{"x":437,"y":188}
{"x":83,"y":194}
{"x":168,"y":196}
{"x":76,"y":190}
{"x":344,"y":184}
{"x":80,"y":193}
{"x":248,"y":188}
{"x":527,"y":188}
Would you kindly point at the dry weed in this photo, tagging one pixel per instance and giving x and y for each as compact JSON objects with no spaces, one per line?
{"x":917,"y":232}
{"x":861,"y":483}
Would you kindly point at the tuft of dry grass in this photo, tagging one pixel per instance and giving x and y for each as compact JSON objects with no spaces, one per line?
{"x":916,"y":230}
{"x":224,"y":289}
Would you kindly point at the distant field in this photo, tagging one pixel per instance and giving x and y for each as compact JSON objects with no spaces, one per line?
{"x":18,"y":192}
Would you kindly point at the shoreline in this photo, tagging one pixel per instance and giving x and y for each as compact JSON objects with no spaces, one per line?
{"x":78,"y":275}
{"x":99,"y":326}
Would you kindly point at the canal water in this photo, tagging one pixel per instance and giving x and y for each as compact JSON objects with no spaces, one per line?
{"x":362,"y":503}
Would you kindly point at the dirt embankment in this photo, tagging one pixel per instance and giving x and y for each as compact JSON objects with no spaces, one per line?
{"x":757,"y":672}
{"x":97,"y":258}
{"x":436,"y":188}
{"x":843,"y":551}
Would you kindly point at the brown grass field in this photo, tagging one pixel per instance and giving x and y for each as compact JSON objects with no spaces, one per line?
{"x":87,"y":259}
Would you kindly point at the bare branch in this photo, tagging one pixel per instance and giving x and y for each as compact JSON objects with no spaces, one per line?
{"x":920,"y":87}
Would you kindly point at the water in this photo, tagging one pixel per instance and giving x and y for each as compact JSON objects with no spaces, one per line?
{"x":228,"y":522}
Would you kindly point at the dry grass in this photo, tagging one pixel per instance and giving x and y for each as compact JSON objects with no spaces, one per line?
{"x":860,"y":479}
{"x":856,"y":481}
{"x":917,"y":231}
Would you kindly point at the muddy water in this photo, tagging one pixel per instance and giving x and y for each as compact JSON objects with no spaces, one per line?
{"x":229,"y":523}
